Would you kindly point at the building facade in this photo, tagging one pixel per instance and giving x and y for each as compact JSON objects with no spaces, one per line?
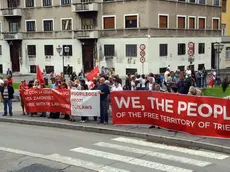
{"x":108,"y":33}
{"x":225,"y":18}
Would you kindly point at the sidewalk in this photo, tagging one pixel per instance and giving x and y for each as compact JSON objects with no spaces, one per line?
{"x":138,"y":131}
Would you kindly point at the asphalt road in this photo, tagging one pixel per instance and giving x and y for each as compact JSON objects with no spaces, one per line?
{"x":39,"y":149}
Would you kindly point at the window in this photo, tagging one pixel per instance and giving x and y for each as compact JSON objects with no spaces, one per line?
{"x":192,"y":23}
{"x":163,"y":49}
{"x":181,"y":49}
{"x":181,"y":68}
{"x":131,"y":71}
{"x":1,"y":69}
{"x":0,"y":49}
{"x":49,"y":69}
{"x":31,"y":50}
{"x":47,"y":3}
{"x":30,"y":26}
{"x":131,"y":50}
{"x":163,"y":21}
{"x":224,"y":6}
{"x":109,"y":50}
{"x":70,"y":53}
{"x":201,"y":48}
{"x":33,"y":69}
{"x":216,"y":2}
{"x":109,"y":23}
{"x":223,"y":30}
{"x":181,"y":0}
{"x":201,"y":1}
{"x":181,"y":22}
{"x":215,"y":24}
{"x":49,"y":50}
{"x":29,"y":3}
{"x":227,"y":53}
{"x":200,"y":66}
{"x":13,"y":27}
{"x":192,"y":1}
{"x":66,"y":24}
{"x":162,"y":70}
{"x":66,"y":70}
{"x":13,"y":4}
{"x":201,"y":23}
{"x":48,"y":25}
{"x":65,"y":2}
{"x":131,"y":21}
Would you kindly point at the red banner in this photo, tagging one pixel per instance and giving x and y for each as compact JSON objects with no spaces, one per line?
{"x":93,"y":74}
{"x":203,"y":116}
{"x":47,"y":100}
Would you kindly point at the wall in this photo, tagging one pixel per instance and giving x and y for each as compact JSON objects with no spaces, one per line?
{"x":5,"y":57}
{"x":55,"y":60}
{"x":226,"y":18}
{"x":153,"y":60}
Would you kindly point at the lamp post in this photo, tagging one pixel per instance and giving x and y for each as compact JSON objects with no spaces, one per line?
{"x":191,"y":59}
{"x":59,"y":50}
{"x":218,"y":46}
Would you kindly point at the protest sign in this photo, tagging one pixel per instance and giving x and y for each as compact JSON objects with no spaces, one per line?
{"x":46,"y":100}
{"x":203,"y":116}
{"x":85,"y":103}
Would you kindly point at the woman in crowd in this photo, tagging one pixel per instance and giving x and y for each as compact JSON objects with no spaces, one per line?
{"x":116,"y":86}
{"x":23,"y":86}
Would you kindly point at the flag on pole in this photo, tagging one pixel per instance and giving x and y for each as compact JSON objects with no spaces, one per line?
{"x":93,"y":74}
{"x":39,"y":75}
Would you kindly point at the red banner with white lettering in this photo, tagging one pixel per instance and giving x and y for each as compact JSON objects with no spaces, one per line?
{"x":47,"y":100}
{"x":202,"y":116}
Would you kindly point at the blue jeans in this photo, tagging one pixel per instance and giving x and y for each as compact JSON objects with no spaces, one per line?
{"x":104,"y":111}
{"x":7,"y":102}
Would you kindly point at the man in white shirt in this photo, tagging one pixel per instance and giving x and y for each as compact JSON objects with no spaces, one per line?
{"x":166,"y":74}
{"x":188,"y":72}
{"x":116,"y":86}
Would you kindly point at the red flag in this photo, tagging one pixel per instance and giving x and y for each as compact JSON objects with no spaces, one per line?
{"x":93,"y":74}
{"x":39,"y":75}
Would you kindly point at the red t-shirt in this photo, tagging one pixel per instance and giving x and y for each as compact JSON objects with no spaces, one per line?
{"x":22,"y":87}
{"x":10,"y":82}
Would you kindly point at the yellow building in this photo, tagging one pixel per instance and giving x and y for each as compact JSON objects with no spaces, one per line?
{"x":226,"y":17}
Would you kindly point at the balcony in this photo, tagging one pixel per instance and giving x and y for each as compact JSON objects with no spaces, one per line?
{"x":87,"y":34}
{"x":84,"y":7}
{"x":11,"y":12}
{"x":12,"y":36}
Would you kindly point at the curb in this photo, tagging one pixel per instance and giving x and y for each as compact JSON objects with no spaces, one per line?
{"x":122,"y":132}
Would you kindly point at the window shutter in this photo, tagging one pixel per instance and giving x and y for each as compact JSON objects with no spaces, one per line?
{"x":109,"y":23}
{"x":181,"y":22}
{"x":191,"y":23}
{"x":131,"y":18}
{"x":163,"y":21}
{"x":215,"y":24}
{"x":201,"y":23}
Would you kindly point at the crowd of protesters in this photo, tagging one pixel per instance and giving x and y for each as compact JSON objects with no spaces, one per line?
{"x":180,"y":82}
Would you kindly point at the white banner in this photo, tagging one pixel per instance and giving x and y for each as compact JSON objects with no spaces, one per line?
{"x":85,"y":102}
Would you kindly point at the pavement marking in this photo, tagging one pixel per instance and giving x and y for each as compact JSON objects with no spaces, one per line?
{"x":130,"y":160}
{"x":66,"y":160}
{"x":154,"y":154}
{"x":207,"y":154}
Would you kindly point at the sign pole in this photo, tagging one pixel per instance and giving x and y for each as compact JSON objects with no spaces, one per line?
{"x":143,"y":68}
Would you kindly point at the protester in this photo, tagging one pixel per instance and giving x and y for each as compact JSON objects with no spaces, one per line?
{"x":194,"y":91}
{"x":23,"y":86}
{"x":7,"y":92}
{"x":103,"y":101}
{"x":116,"y":86}
{"x":9,"y":72}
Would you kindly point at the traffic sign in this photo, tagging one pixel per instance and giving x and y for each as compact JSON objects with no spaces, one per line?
{"x":142,"y":53}
{"x":142,"y":59}
{"x":190,"y":45}
{"x":190,"y":52}
{"x":142,"y":47}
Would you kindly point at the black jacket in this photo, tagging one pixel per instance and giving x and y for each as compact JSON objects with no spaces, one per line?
{"x":10,"y":91}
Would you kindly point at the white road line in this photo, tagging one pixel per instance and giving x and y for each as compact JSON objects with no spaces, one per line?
{"x":66,"y":160}
{"x":172,"y":148}
{"x":154,"y":154}
{"x":130,"y":160}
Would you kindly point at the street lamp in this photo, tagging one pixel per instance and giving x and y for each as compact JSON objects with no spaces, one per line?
{"x":59,"y":50}
{"x":191,"y":59}
{"x":218,"y":46}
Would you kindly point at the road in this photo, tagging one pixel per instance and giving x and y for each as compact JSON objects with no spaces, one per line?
{"x":34,"y":149}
